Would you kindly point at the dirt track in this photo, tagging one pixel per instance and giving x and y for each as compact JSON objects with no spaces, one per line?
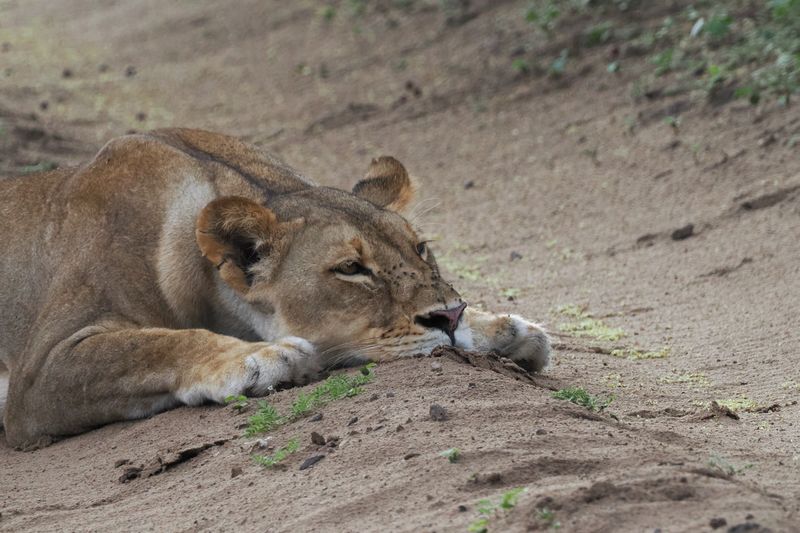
{"x":542,"y":194}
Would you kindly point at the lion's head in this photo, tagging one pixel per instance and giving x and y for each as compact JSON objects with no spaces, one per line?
{"x":344,"y":270}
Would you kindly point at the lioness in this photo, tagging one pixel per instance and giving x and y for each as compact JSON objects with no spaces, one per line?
{"x":182,"y":266}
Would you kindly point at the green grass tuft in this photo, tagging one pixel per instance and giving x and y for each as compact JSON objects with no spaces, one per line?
{"x":334,"y":388}
{"x":579,"y":396}
{"x":280,"y":454}
{"x":452,"y":454}
{"x":487,"y":509}
{"x":265,"y":419}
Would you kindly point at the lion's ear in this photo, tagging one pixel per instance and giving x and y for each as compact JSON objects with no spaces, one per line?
{"x":235,"y":234}
{"x":386,"y":185}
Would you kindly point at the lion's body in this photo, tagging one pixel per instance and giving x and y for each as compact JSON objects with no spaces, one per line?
{"x":112,"y":311}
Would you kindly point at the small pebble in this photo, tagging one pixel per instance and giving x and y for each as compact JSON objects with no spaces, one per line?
{"x":316,"y":418}
{"x":717,"y":523}
{"x":470,"y":184}
{"x":352,"y":421}
{"x":130,"y":71}
{"x":236,"y":471}
{"x":683,"y":233}
{"x":411,"y":455}
{"x":311,"y":461}
{"x":541,"y":432}
{"x":317,"y":439}
{"x":436,"y":366}
{"x":438,"y":413}
{"x":515,"y":256}
{"x":66,"y":73}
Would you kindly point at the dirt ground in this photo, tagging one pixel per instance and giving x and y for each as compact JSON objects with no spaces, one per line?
{"x":550,"y":198}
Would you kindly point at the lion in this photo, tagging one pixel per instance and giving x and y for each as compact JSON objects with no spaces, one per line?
{"x":180,"y":267}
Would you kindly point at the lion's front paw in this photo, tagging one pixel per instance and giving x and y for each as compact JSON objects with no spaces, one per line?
{"x":512,"y":336}
{"x":251,"y":369}
{"x":529,"y":346}
{"x":288,"y":360}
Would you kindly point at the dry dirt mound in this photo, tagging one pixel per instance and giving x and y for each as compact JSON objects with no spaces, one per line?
{"x":379,"y":463}
{"x":653,"y":230}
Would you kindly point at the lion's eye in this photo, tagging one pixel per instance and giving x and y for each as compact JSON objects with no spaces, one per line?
{"x":351,"y":268}
{"x":422,"y":249}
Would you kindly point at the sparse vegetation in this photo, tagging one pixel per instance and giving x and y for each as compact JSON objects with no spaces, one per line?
{"x":280,"y":454}
{"x":635,"y":354}
{"x":580,"y":396}
{"x":265,"y":419}
{"x":487,"y":509}
{"x":695,"y":378}
{"x":738,"y":48}
{"x":739,"y":404}
{"x":42,"y":166}
{"x":237,"y":402}
{"x":724,"y":466}
{"x":335,"y":387}
{"x":452,"y":454}
{"x":584,"y":325}
{"x":548,"y":518}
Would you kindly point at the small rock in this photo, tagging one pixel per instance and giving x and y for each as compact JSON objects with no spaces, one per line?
{"x":767,"y":140}
{"x":129,"y":474}
{"x":390,"y":394}
{"x":130,"y":71}
{"x":333,"y":441}
{"x":399,"y":428}
{"x":66,"y":73}
{"x":352,"y":421}
{"x":717,"y":523}
{"x":515,"y":256}
{"x":316,"y":418}
{"x":410,"y":455}
{"x":373,"y":397}
{"x":438,"y":413}
{"x":541,"y":432}
{"x":683,"y":233}
{"x":436,"y":366}
{"x":311,"y":461}
{"x":462,"y":508}
{"x":43,"y":105}
{"x":236,"y":471}
{"x":751,"y":527}
{"x":121,"y":462}
{"x":261,"y":444}
{"x":469,"y":185}
{"x":317,"y":439}
{"x":141,"y":116}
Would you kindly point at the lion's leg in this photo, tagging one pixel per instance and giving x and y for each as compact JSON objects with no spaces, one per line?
{"x":524,"y":342}
{"x":98,"y":377}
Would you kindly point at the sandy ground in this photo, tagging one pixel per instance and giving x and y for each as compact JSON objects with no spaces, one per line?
{"x":541,"y":194}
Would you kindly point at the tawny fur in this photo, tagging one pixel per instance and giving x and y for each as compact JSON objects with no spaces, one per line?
{"x":182,"y":266}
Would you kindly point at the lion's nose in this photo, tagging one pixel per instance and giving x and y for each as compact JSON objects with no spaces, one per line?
{"x":443,"y":319}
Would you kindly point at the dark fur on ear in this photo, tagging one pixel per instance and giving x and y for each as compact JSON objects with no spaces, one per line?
{"x":235,"y":233}
{"x":386,"y":185}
